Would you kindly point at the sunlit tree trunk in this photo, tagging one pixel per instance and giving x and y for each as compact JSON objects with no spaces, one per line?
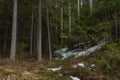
{"x":91,"y":5}
{"x":14,"y":31}
{"x":39,"y":48}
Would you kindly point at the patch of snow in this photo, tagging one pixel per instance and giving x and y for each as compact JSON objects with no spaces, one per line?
{"x":81,"y":53}
{"x":74,"y":78}
{"x":75,"y":66}
{"x":92,"y":65}
{"x":81,"y":64}
{"x":54,"y":69}
{"x":61,"y":50}
{"x":60,"y":74}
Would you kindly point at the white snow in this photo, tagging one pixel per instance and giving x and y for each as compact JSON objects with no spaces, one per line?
{"x":74,"y":78}
{"x":60,"y":74}
{"x":92,"y":65}
{"x":86,"y":52}
{"x":81,"y":64}
{"x":75,"y":66}
{"x":61,"y":50}
{"x":54,"y":69}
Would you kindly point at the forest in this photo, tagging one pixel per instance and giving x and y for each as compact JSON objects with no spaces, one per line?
{"x":36,"y":36}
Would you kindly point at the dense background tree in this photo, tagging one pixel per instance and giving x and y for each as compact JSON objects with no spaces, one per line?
{"x":70,"y":22}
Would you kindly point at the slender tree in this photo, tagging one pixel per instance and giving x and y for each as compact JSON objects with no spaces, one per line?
{"x":116,"y":28}
{"x":61,"y":22}
{"x":5,"y":41}
{"x":69,"y":19}
{"x":14,"y":31}
{"x":78,"y":10}
{"x":49,"y":38}
{"x":91,"y":5}
{"x":39,"y":48}
{"x":31,"y":34}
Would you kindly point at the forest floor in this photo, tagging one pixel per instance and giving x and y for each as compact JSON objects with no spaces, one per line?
{"x":100,"y":65}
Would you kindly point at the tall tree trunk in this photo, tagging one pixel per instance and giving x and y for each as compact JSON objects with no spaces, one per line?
{"x":69,"y":24}
{"x":5,"y":41}
{"x":39,"y":48}
{"x":34,"y":44}
{"x":116,"y":28}
{"x":31,"y":34}
{"x":91,"y":5}
{"x":49,"y":38}
{"x":78,"y":11}
{"x":84,"y":2}
{"x":14,"y":31}
{"x":61,"y":22}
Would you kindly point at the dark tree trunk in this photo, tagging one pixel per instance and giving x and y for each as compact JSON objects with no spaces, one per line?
{"x":31,"y":34}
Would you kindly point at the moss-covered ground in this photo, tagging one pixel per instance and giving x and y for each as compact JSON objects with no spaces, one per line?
{"x":106,"y":67}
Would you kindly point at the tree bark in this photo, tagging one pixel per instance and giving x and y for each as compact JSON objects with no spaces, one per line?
{"x":91,"y":5}
{"x":61,"y":23}
{"x":14,"y":31}
{"x":39,"y":48}
{"x":69,"y":24}
{"x":31,"y":34}
{"x":5,"y":41}
{"x":49,"y":38}
{"x":116,"y":28}
{"x":78,"y":10}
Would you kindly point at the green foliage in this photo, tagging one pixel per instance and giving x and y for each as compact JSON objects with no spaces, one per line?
{"x":22,"y":54}
{"x":107,"y":64}
{"x":90,"y":26}
{"x":107,"y":61}
{"x":46,"y":75}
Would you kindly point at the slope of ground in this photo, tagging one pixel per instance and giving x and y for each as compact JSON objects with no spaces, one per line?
{"x":100,"y":65}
